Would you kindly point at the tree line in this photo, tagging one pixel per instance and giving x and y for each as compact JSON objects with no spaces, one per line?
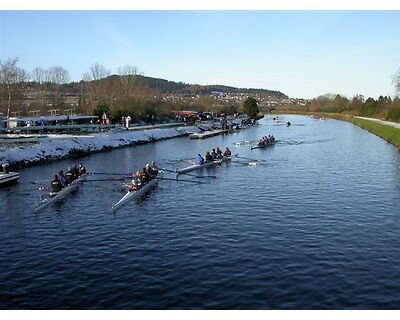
{"x":384,"y":107}
{"x":128,"y":92}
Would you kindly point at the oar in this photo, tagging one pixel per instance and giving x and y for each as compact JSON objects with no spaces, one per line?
{"x":41,"y":181}
{"x":114,"y":179}
{"x":259,"y":160}
{"x":180,"y":180}
{"x":188,"y":174}
{"x":112,"y":174}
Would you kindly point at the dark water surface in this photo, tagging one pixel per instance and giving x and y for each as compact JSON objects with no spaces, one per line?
{"x":315,"y":226}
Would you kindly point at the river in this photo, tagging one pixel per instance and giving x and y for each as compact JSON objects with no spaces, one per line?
{"x":313,"y":226}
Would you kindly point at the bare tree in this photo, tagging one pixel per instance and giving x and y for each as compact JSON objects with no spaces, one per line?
{"x":42,"y":77}
{"x":126,"y":75}
{"x":58,"y":77}
{"x":13,"y":79}
{"x":96,"y":89}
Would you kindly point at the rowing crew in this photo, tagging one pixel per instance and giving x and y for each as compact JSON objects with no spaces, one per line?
{"x":266,"y":140}
{"x":214,"y":155}
{"x":63,"y":180}
{"x":140,"y":178}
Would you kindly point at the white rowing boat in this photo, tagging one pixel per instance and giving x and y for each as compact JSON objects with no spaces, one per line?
{"x":7,"y":178}
{"x":136,"y":194}
{"x":54,"y":196}
{"x":205,"y":165}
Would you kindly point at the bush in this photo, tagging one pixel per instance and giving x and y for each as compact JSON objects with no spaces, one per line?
{"x":393,"y":114}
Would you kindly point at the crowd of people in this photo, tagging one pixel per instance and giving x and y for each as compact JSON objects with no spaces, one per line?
{"x":63,"y":180}
{"x":215,"y":154}
{"x":141,"y":177}
{"x":266,"y":140}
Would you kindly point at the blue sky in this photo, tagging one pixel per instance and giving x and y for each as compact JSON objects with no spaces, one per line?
{"x":301,"y":53}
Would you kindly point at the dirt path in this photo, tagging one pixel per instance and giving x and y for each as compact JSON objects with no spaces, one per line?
{"x":388,"y":123}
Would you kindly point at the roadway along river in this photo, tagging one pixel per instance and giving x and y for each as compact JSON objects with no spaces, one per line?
{"x":315,"y":226}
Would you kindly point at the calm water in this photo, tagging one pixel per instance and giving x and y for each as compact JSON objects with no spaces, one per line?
{"x":316,"y":226}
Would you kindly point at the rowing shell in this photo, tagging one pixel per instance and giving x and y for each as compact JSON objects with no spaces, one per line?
{"x":135,"y":194}
{"x":54,"y":196}
{"x":205,"y":165}
{"x":260,"y":146}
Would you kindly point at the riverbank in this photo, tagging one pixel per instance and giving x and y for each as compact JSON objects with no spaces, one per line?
{"x":54,"y":149}
{"x":387,"y":132}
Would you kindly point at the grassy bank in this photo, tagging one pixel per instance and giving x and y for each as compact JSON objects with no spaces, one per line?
{"x":388,"y":133}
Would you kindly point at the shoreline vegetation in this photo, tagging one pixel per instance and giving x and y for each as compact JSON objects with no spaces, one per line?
{"x":386,"y":132}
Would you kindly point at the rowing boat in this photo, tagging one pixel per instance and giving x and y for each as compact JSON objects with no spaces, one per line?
{"x":135,"y":194}
{"x":205,"y":165}
{"x":8,"y":178}
{"x":260,"y":146}
{"x":55,"y":196}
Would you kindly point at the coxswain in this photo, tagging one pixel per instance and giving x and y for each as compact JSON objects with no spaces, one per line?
{"x":227,"y":152}
{"x":81,"y":169}
{"x":154,"y":167}
{"x":62,"y":178}
{"x":56,"y":185}
{"x":208,"y":157}
{"x":69,"y":176}
{"x":199,"y":159}
{"x":219,"y":154}
{"x":213,"y":154}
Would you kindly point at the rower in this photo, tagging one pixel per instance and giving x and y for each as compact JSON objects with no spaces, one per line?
{"x":227,"y":152}
{"x":154,"y":167}
{"x":81,"y":169}
{"x":213,"y":154}
{"x":69,"y":176}
{"x":136,"y":183}
{"x":219,"y":154}
{"x":208,"y":157}
{"x":75,"y":171}
{"x":144,"y":176}
{"x":149,"y":171}
{"x":56,"y":185}
{"x":62,"y":178}
{"x":199,"y":159}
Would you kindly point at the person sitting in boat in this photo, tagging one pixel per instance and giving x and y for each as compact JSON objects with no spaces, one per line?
{"x":154,"y":167}
{"x":56,"y":185}
{"x":136,"y":182}
{"x":208,"y":157}
{"x":75,"y":171}
{"x":81,"y":169}
{"x":199,"y":159}
{"x":227,"y":152}
{"x":62,"y":178}
{"x":69,"y":176}
{"x":219,"y":154}
{"x":272,"y":138}
{"x":144,"y":176}
{"x":149,"y":171}
{"x":213,"y":154}
{"x":288,"y":124}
